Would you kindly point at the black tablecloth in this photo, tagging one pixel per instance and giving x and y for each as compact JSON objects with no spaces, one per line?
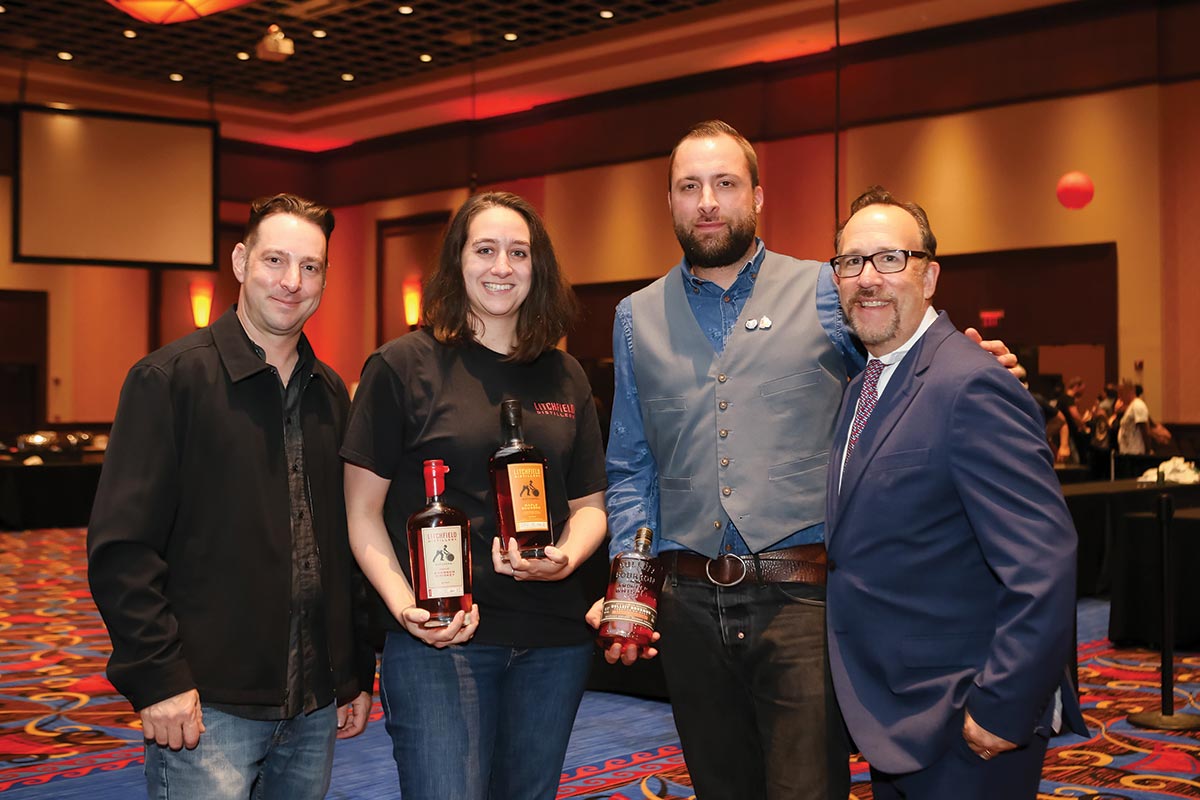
{"x":1136,"y":613}
{"x":47,"y":496}
{"x":1096,"y":506}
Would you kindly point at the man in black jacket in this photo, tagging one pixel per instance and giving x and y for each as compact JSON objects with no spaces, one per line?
{"x":217,"y":549}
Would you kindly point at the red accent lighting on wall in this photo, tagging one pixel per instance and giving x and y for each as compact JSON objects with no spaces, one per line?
{"x":164,"y":12}
{"x":1075,"y":190}
{"x":411,"y":291}
{"x":991,"y":318}
{"x":201,"y":294}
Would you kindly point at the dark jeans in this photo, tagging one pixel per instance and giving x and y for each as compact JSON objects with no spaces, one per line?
{"x":478,"y":721}
{"x":748,"y":678}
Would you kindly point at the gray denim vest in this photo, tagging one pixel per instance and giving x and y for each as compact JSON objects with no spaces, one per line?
{"x":746,"y":435}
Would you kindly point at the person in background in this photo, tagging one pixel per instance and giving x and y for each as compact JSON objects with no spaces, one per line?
{"x":217,"y":549}
{"x":1133,"y":431}
{"x":483,"y":707}
{"x":729,"y":371}
{"x":952,"y":604}
{"x":1058,"y":433}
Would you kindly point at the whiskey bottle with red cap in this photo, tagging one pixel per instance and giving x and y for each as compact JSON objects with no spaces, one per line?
{"x":439,"y":552}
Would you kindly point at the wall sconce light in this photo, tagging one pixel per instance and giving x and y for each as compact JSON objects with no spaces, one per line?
{"x":201,"y":293}
{"x":164,"y":12}
{"x":411,"y":291}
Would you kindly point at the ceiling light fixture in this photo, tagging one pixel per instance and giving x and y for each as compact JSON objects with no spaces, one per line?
{"x":129,"y":33}
{"x":426,"y":57}
{"x":346,"y":76}
{"x":275,"y":46}
{"x":405,"y":9}
{"x":164,"y":13}
{"x":320,"y":34}
{"x":3,"y":9}
{"x":510,"y":37}
{"x":63,"y":55}
{"x":243,"y":55}
{"x":606,"y":14}
{"x":175,"y":77}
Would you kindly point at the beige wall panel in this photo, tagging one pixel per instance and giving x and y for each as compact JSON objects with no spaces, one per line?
{"x":797,"y":179}
{"x":1180,"y":130}
{"x":987,"y":179}
{"x":612,"y":223}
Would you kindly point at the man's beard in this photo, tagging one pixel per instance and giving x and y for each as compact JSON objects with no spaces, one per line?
{"x":880,"y":332}
{"x":718,"y":251}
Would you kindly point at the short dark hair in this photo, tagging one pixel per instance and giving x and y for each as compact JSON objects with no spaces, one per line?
{"x":548,"y":310}
{"x":286,"y":203}
{"x":709,"y":130}
{"x":879,"y":196}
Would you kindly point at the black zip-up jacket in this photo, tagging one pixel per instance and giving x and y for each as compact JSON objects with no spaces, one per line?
{"x":189,"y":545}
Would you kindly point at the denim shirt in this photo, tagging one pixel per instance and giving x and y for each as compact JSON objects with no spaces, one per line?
{"x":633,"y":497}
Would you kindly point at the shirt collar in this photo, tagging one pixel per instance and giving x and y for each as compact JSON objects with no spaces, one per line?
{"x":241,"y":356}
{"x":897,"y":355}
{"x":753,"y":264}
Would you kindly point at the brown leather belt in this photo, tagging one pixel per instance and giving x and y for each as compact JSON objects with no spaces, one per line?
{"x":802,"y":564}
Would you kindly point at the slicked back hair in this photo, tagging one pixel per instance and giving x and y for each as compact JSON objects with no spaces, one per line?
{"x":879,"y":196}
{"x":285,"y":203}
{"x":711,"y":129}
{"x":549,"y":309}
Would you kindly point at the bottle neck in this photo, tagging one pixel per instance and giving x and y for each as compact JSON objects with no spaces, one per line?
{"x":513,"y":433}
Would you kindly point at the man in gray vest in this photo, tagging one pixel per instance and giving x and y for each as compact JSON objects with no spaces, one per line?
{"x":727,"y":388}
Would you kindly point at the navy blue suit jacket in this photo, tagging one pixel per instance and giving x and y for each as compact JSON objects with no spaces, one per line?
{"x":951,"y":560}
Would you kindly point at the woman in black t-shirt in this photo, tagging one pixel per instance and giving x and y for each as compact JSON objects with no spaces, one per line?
{"x":483,"y":707}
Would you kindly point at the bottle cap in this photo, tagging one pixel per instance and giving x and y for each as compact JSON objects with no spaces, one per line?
{"x":644,"y":536}
{"x":435,"y":477}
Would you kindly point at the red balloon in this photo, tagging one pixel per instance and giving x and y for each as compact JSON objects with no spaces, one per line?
{"x":1075,"y":190}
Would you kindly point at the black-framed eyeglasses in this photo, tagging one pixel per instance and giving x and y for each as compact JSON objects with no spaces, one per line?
{"x":884,"y":261}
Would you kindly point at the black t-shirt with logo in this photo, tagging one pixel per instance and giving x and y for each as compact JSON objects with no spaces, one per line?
{"x":419,"y":399}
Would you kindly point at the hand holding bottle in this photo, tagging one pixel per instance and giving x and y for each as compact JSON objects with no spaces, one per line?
{"x":630,"y":652}
{"x":553,"y":566}
{"x":459,"y":631}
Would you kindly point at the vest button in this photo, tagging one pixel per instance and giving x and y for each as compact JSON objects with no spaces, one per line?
{"x":724,"y":462}
{"x":724,"y":404}
{"x":722,"y":378}
{"x":717,"y":524}
{"x":831,"y":565}
{"x":723,"y":433}
{"x":727,"y":491}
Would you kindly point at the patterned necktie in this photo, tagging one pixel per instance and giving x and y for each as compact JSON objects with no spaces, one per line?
{"x":866,"y":404}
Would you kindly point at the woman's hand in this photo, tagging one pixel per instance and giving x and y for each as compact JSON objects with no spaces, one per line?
{"x":554,"y":567}
{"x":459,"y":631}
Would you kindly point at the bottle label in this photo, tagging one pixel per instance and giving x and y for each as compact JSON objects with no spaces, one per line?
{"x":528,"y":486}
{"x":629,"y":611}
{"x":443,"y":556}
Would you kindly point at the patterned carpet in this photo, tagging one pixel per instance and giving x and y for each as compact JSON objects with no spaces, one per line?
{"x":64,"y":732}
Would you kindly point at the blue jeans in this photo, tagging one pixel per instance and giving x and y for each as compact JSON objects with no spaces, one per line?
{"x":245,"y":759}
{"x":476,"y":721}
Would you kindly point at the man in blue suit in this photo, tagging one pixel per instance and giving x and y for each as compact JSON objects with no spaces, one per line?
{"x":951,"y":588}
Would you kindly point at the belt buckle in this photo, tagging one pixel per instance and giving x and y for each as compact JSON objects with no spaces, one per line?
{"x":714,"y":581}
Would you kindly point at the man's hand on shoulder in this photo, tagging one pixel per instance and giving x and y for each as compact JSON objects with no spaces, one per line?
{"x":176,"y":722}
{"x":352,"y":717}
{"x":996,"y":347}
